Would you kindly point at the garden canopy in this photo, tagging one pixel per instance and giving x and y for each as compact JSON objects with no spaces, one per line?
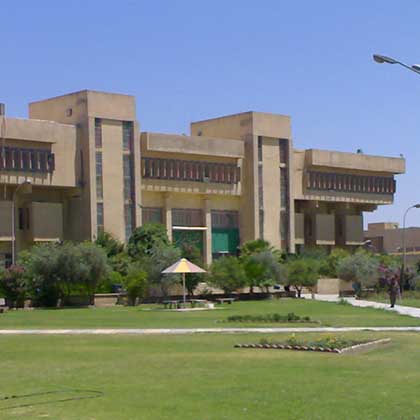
{"x":183,"y":266}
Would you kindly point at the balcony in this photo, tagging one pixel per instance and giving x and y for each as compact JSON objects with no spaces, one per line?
{"x":190,"y":171}
{"x":17,"y":159}
{"x":339,"y":182}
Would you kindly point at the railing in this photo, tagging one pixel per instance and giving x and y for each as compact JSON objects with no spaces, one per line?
{"x":336,"y":182}
{"x":26,"y":160}
{"x":188,"y":170}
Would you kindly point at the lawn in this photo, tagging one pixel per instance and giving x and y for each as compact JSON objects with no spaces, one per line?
{"x":408,"y":298}
{"x":328,"y":314}
{"x":202,"y":377}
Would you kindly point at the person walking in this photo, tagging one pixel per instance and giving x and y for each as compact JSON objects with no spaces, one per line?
{"x":394,"y":289}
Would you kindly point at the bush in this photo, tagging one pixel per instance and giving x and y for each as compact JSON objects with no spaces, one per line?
{"x":13,"y":286}
{"x":302,"y":272}
{"x":146,"y":238}
{"x":361,"y":269}
{"x":227,"y":273}
{"x":135,"y":284}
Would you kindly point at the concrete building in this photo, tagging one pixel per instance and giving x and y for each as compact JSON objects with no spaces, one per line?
{"x":388,"y":238}
{"x":234,"y":179}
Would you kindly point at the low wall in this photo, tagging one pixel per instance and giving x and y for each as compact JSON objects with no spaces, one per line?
{"x":334,"y":287}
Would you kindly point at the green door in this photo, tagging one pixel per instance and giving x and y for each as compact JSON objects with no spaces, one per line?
{"x":225,"y":240}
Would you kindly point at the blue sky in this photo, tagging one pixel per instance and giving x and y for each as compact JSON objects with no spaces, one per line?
{"x":188,"y":60}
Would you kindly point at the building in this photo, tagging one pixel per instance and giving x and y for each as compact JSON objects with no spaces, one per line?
{"x":388,"y":238}
{"x":88,"y":168}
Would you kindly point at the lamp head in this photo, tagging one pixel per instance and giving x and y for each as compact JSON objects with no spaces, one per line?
{"x":416,"y":67}
{"x":384,"y":59}
{"x":416,"y":206}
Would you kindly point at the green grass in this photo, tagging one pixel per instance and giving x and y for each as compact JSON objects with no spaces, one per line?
{"x":408,"y":298}
{"x":329,"y":314}
{"x":202,"y":377}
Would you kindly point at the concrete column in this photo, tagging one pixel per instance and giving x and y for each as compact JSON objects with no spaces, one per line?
{"x":168,"y":215}
{"x":207,"y":233}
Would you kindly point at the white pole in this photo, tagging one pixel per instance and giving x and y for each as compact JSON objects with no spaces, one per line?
{"x":183,"y":286}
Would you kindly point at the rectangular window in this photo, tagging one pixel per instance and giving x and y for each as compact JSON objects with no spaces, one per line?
{"x":187,"y":217}
{"x":98,"y":133}
{"x":100,"y":217}
{"x":152,"y":215}
{"x":260,"y":152}
{"x":128,"y":219}
{"x":99,"y":176}
{"x":284,"y":188}
{"x":21,"y":219}
{"x":224,"y":219}
{"x":127,"y":169}
{"x":127,"y":136}
{"x":284,"y":151}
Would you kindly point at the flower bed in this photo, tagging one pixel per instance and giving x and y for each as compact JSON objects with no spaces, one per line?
{"x":269,"y":318}
{"x":329,"y":344}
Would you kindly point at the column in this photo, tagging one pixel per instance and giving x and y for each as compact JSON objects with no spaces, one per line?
{"x":207,"y":233}
{"x":168,"y":215}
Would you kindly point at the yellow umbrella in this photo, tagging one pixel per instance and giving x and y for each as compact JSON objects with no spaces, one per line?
{"x":183,"y":266}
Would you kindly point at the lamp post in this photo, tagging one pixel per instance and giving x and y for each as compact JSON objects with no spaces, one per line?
{"x":404,"y":264}
{"x":24,"y":183}
{"x":388,"y":60}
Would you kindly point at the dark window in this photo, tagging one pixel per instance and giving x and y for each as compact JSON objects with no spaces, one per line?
{"x":284,"y":150}
{"x":224,"y":219}
{"x":129,"y":220}
{"x":99,"y":177}
{"x":98,"y":133}
{"x":21,"y":219}
{"x":260,"y":151}
{"x":152,"y":215}
{"x":127,"y":135}
{"x":187,"y":217}
{"x":100,"y":217}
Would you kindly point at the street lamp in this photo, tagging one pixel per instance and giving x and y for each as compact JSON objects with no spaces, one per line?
{"x":415,"y":206}
{"x":24,"y":183}
{"x":388,"y":60}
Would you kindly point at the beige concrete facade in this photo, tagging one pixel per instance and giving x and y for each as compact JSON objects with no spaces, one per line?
{"x":235,"y":178}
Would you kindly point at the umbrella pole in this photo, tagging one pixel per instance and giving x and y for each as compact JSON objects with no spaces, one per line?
{"x":183,"y":286}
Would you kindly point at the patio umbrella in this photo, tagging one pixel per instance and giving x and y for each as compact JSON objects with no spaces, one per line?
{"x":183,"y":266}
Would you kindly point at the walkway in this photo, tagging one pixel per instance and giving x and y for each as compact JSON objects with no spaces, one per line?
{"x":403,"y":310}
{"x":169,"y":331}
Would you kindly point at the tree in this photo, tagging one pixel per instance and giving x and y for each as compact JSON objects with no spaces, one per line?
{"x":263,"y":270}
{"x":13,"y":286}
{"x":145,"y":238}
{"x":360,"y":268}
{"x":329,"y":264}
{"x":95,"y":266}
{"x":111,"y":245}
{"x":135,"y":283}
{"x":254,"y":247}
{"x":302,"y":272}
{"x":161,"y":256}
{"x":227,"y":273}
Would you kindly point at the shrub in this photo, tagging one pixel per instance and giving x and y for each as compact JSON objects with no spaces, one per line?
{"x":360,"y":268}
{"x":146,"y":238}
{"x":227,"y":273}
{"x":13,"y":286}
{"x":302,"y":272}
{"x":135,"y":283}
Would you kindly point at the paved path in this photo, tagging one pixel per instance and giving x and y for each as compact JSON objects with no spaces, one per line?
{"x":169,"y":331}
{"x":403,"y":310}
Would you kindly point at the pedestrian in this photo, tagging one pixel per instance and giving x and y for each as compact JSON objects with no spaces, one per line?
{"x":393,"y":291}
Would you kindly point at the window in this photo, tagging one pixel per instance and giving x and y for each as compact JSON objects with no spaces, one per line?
{"x":187,"y":217}
{"x":99,"y":177}
{"x":260,"y":151}
{"x":127,"y":135}
{"x":284,"y":150}
{"x":98,"y":133}
{"x":128,"y":219}
{"x":21,"y":219}
{"x":284,"y":188}
{"x":100,"y":217}
{"x":224,"y":219}
{"x":128,"y":178}
{"x":152,"y":215}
